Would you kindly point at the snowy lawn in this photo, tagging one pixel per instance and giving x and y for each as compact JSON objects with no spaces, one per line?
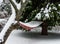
{"x":19,"y":37}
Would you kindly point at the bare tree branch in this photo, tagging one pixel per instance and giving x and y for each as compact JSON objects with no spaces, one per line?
{"x":19,"y":13}
{"x":13,"y":4}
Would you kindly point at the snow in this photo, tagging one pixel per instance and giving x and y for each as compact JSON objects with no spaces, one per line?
{"x":8,"y":24}
{"x":1,"y":20}
{"x":31,"y":24}
{"x":1,"y":1}
{"x":59,"y":5}
{"x":17,"y":5}
{"x":38,"y":16}
{"x":19,"y":37}
{"x":24,"y":1}
{"x":3,"y":14}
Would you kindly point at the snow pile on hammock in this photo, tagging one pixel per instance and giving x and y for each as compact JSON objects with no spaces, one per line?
{"x":31,"y":24}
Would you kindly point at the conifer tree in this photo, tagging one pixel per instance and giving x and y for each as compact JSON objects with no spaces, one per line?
{"x":30,"y":8}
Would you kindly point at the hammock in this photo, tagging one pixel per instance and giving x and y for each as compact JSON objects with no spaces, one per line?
{"x":30,"y":25}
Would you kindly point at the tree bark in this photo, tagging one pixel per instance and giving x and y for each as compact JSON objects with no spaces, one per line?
{"x":12,"y":27}
{"x":44,"y":29}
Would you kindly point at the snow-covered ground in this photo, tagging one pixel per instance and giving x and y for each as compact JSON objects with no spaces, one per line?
{"x":19,"y":37}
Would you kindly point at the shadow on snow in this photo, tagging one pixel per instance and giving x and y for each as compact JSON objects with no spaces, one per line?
{"x":38,"y":36}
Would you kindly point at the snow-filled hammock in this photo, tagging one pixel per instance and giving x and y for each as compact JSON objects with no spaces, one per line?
{"x":30,"y":25}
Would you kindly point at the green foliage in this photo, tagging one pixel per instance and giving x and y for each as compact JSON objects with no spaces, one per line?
{"x":54,"y":1}
{"x":34,"y":6}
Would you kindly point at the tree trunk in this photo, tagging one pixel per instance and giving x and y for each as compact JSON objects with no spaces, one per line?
{"x":44,"y":29}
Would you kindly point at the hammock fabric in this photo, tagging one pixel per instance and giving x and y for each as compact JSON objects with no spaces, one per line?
{"x":30,"y":25}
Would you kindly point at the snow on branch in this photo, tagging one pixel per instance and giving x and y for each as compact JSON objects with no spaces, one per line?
{"x":13,"y":4}
{"x":8,"y":24}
